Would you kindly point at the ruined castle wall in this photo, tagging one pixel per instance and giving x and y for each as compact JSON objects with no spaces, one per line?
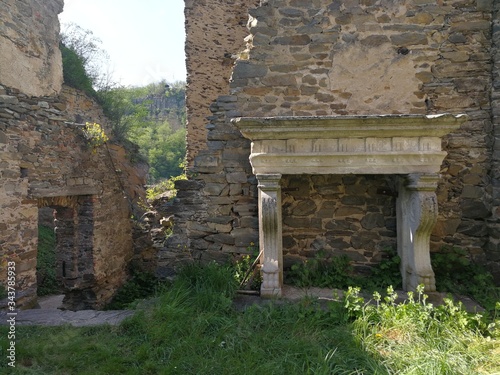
{"x":47,"y":161}
{"x":350,"y":58}
{"x":30,"y":59}
{"x":493,"y":247}
{"x":214,"y":35}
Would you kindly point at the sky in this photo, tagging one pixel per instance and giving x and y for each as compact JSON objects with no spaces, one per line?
{"x":143,"y":38}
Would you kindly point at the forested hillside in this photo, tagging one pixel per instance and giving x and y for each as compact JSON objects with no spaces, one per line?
{"x":153,"y":116}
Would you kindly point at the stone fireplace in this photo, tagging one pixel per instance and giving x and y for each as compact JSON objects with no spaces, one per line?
{"x":406,"y":146}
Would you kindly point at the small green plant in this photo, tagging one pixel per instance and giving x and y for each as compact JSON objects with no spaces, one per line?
{"x":383,"y":274}
{"x":456,"y":273}
{"x":164,"y":186}
{"x":415,"y":337}
{"x":333,"y":272}
{"x":140,"y":286}
{"x":246,"y":272}
{"x":95,"y":135}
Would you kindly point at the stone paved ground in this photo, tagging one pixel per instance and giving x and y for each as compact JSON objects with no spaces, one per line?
{"x":49,"y":315}
{"x":54,"y":317}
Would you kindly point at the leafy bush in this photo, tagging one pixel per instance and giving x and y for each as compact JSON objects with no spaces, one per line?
{"x":95,"y":135}
{"x":164,"y":186}
{"x":383,"y":274}
{"x":456,"y":273}
{"x":74,"y":73}
{"x":334,"y":272}
{"x":246,"y":276}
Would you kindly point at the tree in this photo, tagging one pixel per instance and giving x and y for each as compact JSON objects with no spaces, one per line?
{"x":74,"y":73}
{"x":94,"y":58}
{"x":153,"y":117}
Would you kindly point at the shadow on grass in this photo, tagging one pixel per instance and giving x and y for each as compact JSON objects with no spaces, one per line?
{"x":193,"y":328}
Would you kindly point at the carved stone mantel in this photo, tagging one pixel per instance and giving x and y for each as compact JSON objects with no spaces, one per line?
{"x":407,"y":145}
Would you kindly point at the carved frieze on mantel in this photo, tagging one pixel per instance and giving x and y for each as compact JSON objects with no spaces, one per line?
{"x":385,"y":144}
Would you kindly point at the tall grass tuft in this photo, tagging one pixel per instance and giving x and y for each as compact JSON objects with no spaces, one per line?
{"x":418,"y":338}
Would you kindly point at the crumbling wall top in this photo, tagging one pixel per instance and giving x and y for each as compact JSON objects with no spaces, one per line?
{"x":29,"y":39}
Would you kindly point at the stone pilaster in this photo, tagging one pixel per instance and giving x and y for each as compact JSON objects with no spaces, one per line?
{"x":270,"y":234}
{"x":416,"y":214}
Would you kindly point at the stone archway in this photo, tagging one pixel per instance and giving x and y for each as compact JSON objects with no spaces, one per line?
{"x":407,"y":146}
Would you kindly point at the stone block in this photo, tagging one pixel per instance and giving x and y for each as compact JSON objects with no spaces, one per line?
{"x":364,"y":240}
{"x":249,"y":222}
{"x":484,"y":5}
{"x":222,"y":238}
{"x":206,"y":161}
{"x":245,"y":69}
{"x":199,"y":244}
{"x":474,"y":192}
{"x":237,"y":177}
{"x":409,"y":39}
{"x":235,"y":189}
{"x":8,"y":99}
{"x":220,"y":219}
{"x":216,"y":255}
{"x":214,"y":189}
{"x":473,"y":209}
{"x":373,"y":220}
{"x":188,"y":184}
{"x":194,"y":226}
{"x":473,"y":228}
{"x":374,"y":40}
{"x":280,"y":80}
{"x":337,"y":244}
{"x":291,"y":12}
{"x":348,"y":211}
{"x":245,"y":236}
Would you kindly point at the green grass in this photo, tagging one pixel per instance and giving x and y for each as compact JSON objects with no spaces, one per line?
{"x":191,"y":327}
{"x":46,"y":262}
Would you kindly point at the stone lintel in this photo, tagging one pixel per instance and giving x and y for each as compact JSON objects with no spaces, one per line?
{"x":64,"y":191}
{"x":321,"y":127}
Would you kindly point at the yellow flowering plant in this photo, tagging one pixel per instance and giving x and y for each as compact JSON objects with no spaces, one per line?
{"x":95,"y":135}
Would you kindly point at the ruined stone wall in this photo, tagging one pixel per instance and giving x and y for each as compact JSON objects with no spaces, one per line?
{"x":349,"y":58}
{"x":493,"y":247}
{"x":30,"y":60}
{"x":214,"y":35}
{"x":47,"y":161}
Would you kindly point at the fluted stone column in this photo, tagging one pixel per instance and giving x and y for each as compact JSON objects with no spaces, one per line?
{"x":416,"y":215}
{"x":270,"y":234}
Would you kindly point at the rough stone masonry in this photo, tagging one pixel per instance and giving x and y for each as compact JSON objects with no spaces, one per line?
{"x":46,"y":161}
{"x":323,"y":58}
